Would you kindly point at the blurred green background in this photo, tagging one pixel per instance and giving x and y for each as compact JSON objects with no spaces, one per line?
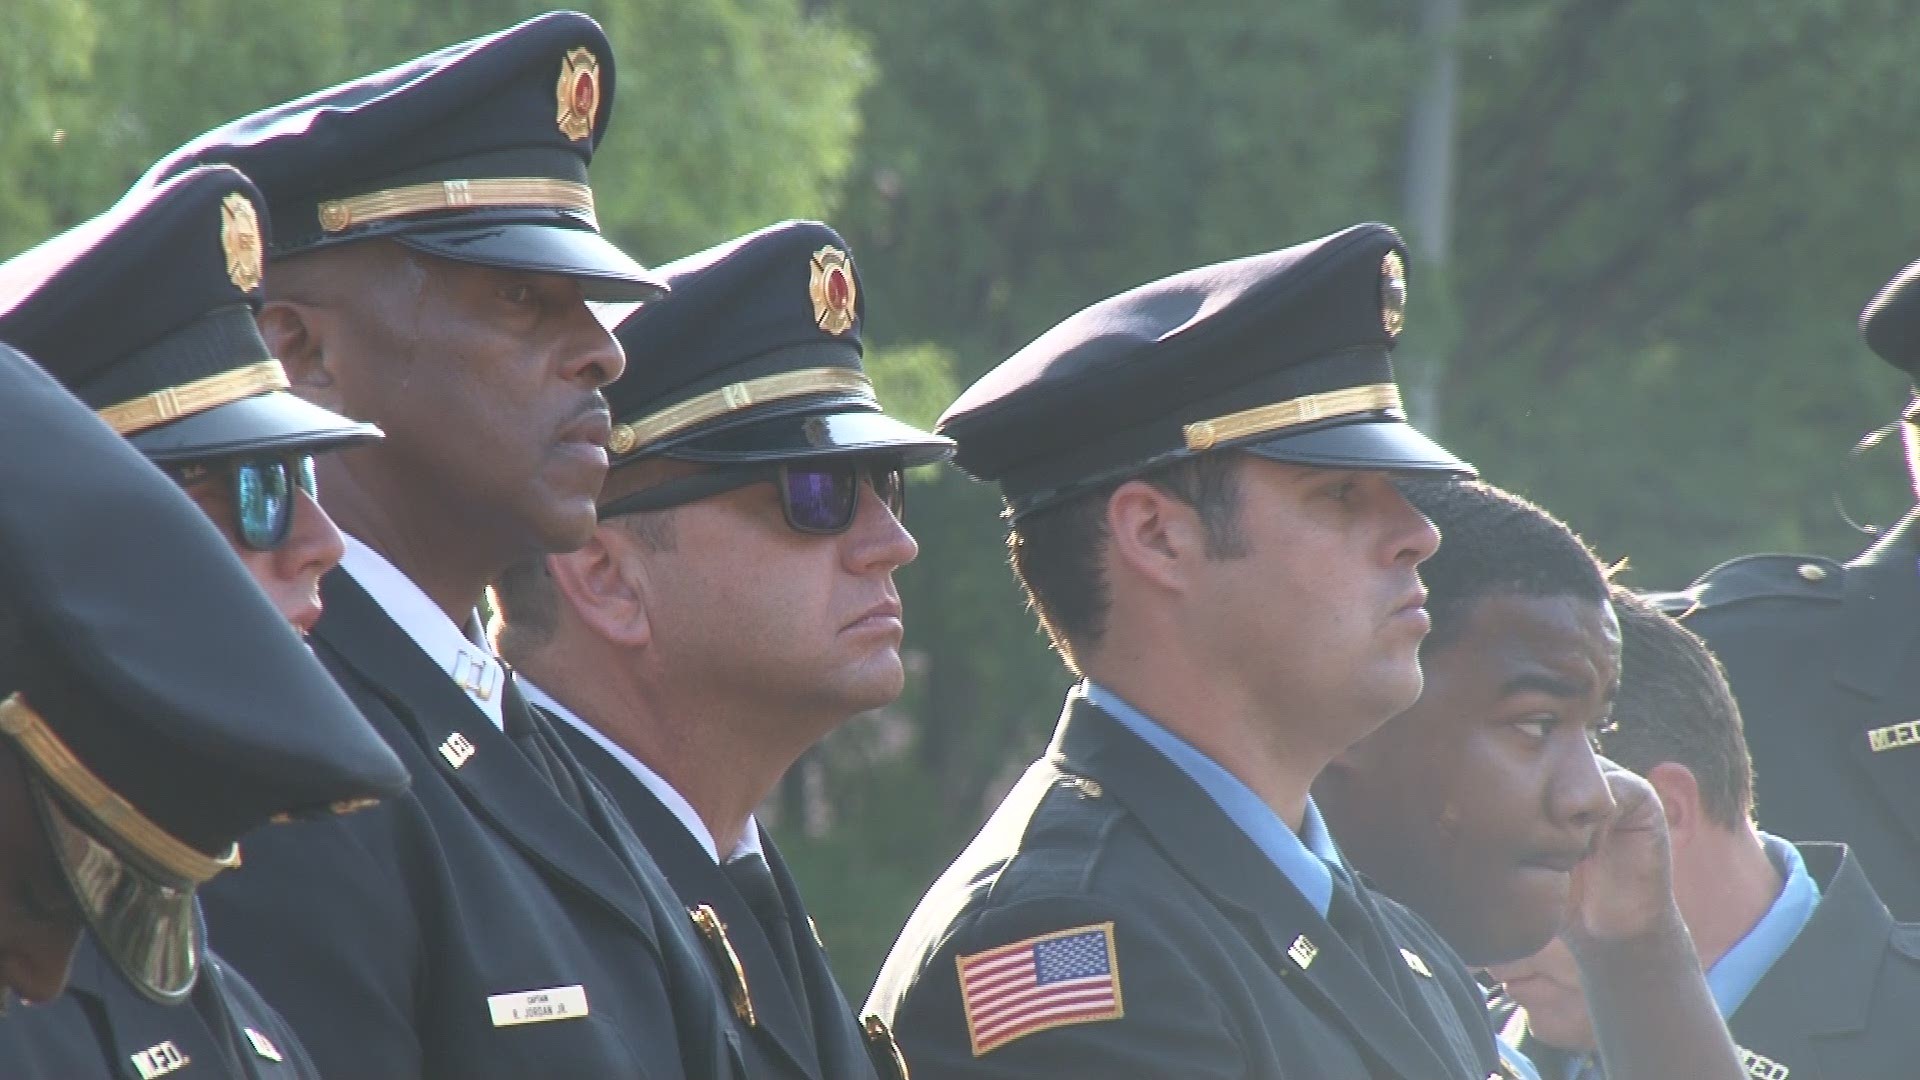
{"x":1642,"y":231}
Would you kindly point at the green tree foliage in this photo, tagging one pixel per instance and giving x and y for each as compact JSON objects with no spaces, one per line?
{"x":729,"y":113}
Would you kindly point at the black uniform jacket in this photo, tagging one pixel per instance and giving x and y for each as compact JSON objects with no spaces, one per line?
{"x":1225,"y":969}
{"x":476,"y":927}
{"x":822,"y":1043}
{"x":102,"y":1027}
{"x":1825,"y":662}
{"x":1839,"y":1004}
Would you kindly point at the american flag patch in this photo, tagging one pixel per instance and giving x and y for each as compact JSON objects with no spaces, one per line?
{"x":1066,"y":977}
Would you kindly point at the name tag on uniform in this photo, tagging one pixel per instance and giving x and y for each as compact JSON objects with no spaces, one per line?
{"x":538,"y":1006}
{"x":159,"y":1060}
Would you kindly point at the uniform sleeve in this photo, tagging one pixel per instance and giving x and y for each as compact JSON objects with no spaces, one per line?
{"x":1061,"y":990}
{"x":317,"y":918}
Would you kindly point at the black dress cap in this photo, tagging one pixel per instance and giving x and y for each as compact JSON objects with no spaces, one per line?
{"x":755,"y":356}
{"x":162,"y":705}
{"x":146,"y":313}
{"x":1891,"y":322}
{"x":1284,"y":355}
{"x":477,"y":153}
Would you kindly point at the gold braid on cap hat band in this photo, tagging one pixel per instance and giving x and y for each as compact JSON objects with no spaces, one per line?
{"x":173,"y":402}
{"x":537,"y":192}
{"x":737,"y":396}
{"x":1206,"y":434}
{"x":100,"y":803}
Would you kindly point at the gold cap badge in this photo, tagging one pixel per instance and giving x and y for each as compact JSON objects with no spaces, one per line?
{"x":1393,"y":294}
{"x":240,"y":239}
{"x":578,"y":93}
{"x":833,"y":290}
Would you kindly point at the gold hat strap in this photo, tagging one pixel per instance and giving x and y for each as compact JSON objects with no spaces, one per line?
{"x":536,"y":192}
{"x":174,"y":402}
{"x":1374,"y":397}
{"x":736,"y":396}
{"x":102,"y":804}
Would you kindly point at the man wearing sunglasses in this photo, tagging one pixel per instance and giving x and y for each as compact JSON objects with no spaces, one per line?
{"x":154,"y":709}
{"x":735,"y":605}
{"x":184,"y":375}
{"x":435,"y":251}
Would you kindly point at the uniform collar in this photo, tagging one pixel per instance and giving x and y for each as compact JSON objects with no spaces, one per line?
{"x":1306,"y":858}
{"x":472,"y":667}
{"x":1736,"y":973}
{"x":676,"y":804}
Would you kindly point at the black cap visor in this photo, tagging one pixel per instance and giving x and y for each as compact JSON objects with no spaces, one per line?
{"x":274,"y":422}
{"x":788,"y":438}
{"x":1383,"y":442}
{"x":145,"y":921}
{"x":606,"y":274}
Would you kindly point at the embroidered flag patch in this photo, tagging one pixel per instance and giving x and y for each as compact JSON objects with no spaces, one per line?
{"x":1066,"y":977}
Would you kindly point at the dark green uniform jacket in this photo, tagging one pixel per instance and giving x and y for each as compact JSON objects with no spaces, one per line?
{"x":1825,"y":662}
{"x":1216,"y":965}
{"x":1838,"y":1005}
{"x":103,"y":1028}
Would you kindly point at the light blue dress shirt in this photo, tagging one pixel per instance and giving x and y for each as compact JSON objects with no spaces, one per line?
{"x":1304,"y":858}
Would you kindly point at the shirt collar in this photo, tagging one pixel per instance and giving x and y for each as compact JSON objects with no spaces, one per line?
{"x":675,"y":803}
{"x":472,"y":667}
{"x":1306,"y":859}
{"x":1735,"y":974}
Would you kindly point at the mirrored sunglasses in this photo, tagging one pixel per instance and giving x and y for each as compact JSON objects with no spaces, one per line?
{"x":261,"y":487}
{"x":818,"y":498}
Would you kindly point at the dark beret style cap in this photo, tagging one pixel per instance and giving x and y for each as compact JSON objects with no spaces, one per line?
{"x":146,"y":314}
{"x":756,"y":356}
{"x":163,"y":707}
{"x":477,"y":153}
{"x":1284,"y":355}
{"x":1891,"y":322}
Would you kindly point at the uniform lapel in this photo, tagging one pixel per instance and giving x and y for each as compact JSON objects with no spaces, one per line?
{"x":696,"y":880}
{"x":1824,"y":983}
{"x":492,"y":775}
{"x":1197,"y":836}
{"x":843,"y":1049}
{"x":1875,"y":653}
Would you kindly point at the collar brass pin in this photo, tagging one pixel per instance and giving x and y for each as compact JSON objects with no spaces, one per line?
{"x":713,"y":932}
{"x":1303,"y":951}
{"x":456,"y":749}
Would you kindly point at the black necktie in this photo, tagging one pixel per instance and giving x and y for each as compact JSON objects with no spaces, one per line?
{"x":1349,"y":919}
{"x":518,"y":722}
{"x":753,"y":880}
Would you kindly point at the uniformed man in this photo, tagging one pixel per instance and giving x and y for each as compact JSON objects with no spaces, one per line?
{"x":146,"y":313}
{"x":736,"y":603}
{"x":156,"y":708}
{"x":1199,"y":473}
{"x":1484,"y":807}
{"x":1813,"y":973}
{"x":1825,"y":660}
{"x":434,"y":251}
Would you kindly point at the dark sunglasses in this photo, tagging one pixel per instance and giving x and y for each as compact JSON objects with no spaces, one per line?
{"x":262,"y":491}
{"x":818,"y":498}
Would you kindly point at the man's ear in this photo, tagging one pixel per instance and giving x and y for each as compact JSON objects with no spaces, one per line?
{"x":1153,"y":534}
{"x":604,"y":586}
{"x":295,"y":334}
{"x":1679,"y":792}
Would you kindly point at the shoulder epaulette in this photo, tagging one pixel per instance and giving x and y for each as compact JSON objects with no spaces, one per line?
{"x":1754,"y":577}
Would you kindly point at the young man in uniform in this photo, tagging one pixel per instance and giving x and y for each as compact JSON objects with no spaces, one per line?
{"x":736,"y":603}
{"x":1815,"y":977}
{"x":146,"y":314}
{"x":434,"y":251}
{"x":154,"y":708}
{"x":1200,"y":478}
{"x":1824,"y":658}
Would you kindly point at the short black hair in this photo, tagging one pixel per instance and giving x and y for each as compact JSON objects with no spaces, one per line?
{"x":1675,"y":705}
{"x":1495,"y":543}
{"x":1057,"y":552}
